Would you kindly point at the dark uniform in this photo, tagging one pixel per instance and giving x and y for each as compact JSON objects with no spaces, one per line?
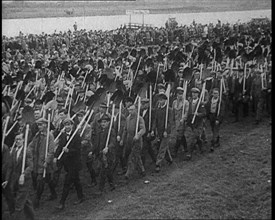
{"x":38,"y":147}
{"x":118,"y":148}
{"x":132,"y":149}
{"x":159,"y":128}
{"x":6,"y":176}
{"x":71,"y":161}
{"x":106,"y":160}
{"x":180,"y":122}
{"x":147,"y":146}
{"x":197,"y":126}
{"x":215,"y":119}
{"x":258,"y":94}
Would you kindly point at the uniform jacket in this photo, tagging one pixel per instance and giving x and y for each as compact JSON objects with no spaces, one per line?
{"x":159,"y":120}
{"x":215,"y":116}
{"x":17,"y":166}
{"x":94,"y":124}
{"x":177,"y":107}
{"x":72,"y":159}
{"x":99,"y":142}
{"x":86,"y":134}
{"x":237,"y":88}
{"x":122,"y":124}
{"x":38,"y":148}
{"x":130,"y":129}
{"x":6,"y":163}
{"x":201,"y":114}
{"x":145,"y":115}
{"x":211,"y":84}
{"x":256,"y":87}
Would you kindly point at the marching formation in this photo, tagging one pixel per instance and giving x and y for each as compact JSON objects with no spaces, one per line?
{"x":106,"y":101}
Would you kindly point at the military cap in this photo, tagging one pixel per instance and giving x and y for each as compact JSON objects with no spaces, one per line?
{"x":80,"y":113}
{"x":195,"y":90}
{"x":162,"y":96}
{"x":68,"y":120}
{"x":145,"y":100}
{"x":132,"y":107}
{"x":129,"y":99}
{"x":161,"y":86}
{"x":180,"y":89}
{"x":28,"y":101}
{"x":105,"y":117}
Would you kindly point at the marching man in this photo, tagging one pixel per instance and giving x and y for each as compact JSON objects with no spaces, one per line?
{"x":42,"y":160}
{"x":21,"y":181}
{"x":133,"y":141}
{"x":163,"y":130}
{"x":71,"y":162}
{"x":195,"y":117}
{"x":180,"y":120}
{"x":215,"y":111}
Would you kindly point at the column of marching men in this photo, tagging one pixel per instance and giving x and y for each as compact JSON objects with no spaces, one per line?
{"x":124,"y":115}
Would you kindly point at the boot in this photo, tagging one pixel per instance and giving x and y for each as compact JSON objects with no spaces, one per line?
{"x":157,"y":169}
{"x":93,"y":183}
{"x":203,"y":137}
{"x":212,"y":146}
{"x":176,"y":148}
{"x":200,"y":146}
{"x":217,"y":143}
{"x":36,"y":203}
{"x":184,"y":142}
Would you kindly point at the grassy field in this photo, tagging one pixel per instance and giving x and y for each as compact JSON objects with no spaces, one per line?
{"x":233,"y":182}
{"x":34,"y":9}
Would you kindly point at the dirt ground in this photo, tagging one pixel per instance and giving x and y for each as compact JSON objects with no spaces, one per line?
{"x":233,"y":182}
{"x":45,"y":9}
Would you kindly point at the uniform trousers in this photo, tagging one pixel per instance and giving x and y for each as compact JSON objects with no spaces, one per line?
{"x":215,"y":128}
{"x":164,"y":151}
{"x":134,"y":160}
{"x":71,"y":177}
{"x":194,"y":135}
{"x":180,"y":139}
{"x":147,"y":147}
{"x":259,"y":102}
{"x":106,"y":170}
{"x":9,"y":198}
{"x":23,"y":203}
{"x":39,"y":183}
{"x":119,"y":157}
